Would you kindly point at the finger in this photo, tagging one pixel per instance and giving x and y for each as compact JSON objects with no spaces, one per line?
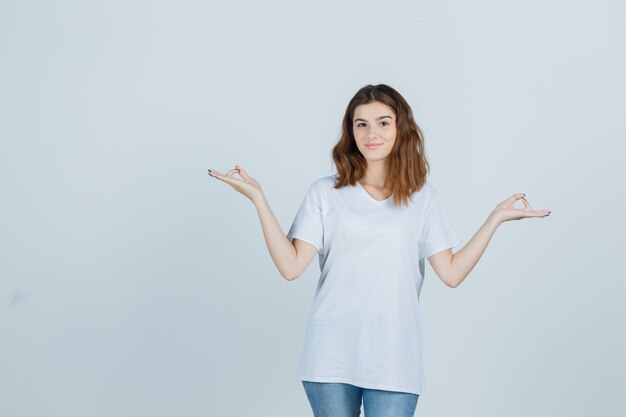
{"x":224,"y":177}
{"x":242,"y":172}
{"x":230,"y":177}
{"x":526,"y":204}
{"x":516,"y":197}
{"x":215,"y":173}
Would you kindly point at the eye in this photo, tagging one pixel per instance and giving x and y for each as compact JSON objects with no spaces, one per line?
{"x":359,"y":124}
{"x":385,"y":123}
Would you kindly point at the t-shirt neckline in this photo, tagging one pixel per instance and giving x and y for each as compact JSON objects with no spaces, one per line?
{"x":367,"y":195}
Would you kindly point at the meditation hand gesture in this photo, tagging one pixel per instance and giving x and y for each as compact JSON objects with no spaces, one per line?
{"x":505,"y":211}
{"x":247,"y":186}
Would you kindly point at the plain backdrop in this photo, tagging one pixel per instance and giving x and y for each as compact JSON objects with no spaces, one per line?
{"x":133,"y":284}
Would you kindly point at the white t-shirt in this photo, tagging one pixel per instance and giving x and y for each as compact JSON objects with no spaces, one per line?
{"x":364,"y":324}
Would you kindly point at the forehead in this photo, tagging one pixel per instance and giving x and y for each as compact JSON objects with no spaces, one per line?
{"x":372,"y":110}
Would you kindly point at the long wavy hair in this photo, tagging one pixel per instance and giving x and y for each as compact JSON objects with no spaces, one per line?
{"x":408,"y":166}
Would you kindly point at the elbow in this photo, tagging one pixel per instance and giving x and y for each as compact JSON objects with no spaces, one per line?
{"x":290,"y":276}
{"x":453,"y":283}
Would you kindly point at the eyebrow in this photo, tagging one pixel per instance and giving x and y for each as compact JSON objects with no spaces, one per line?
{"x":381,"y":117}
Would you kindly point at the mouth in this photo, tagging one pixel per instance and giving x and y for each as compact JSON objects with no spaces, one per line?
{"x":373,"y":145}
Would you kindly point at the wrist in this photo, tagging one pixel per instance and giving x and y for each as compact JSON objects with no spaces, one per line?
{"x":259,"y":200}
{"x":494,"y":219}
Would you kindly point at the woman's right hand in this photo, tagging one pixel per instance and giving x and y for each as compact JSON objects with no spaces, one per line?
{"x":247,"y":186}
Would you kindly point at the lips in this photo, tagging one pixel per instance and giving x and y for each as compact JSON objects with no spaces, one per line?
{"x":373,"y":145}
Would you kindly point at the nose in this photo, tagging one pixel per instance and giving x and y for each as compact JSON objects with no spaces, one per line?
{"x":372,"y":134}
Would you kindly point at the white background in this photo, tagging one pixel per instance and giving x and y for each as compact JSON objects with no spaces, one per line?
{"x":133,"y":284}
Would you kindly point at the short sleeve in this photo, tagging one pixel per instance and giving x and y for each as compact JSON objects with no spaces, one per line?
{"x":437,"y":233}
{"x":308,"y":224}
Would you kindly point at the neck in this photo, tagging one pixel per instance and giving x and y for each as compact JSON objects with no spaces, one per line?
{"x":376,"y":174}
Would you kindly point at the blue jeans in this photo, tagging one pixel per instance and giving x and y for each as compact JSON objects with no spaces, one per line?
{"x":331,"y":399}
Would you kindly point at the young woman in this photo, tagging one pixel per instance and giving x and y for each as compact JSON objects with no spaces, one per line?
{"x":372,"y":225}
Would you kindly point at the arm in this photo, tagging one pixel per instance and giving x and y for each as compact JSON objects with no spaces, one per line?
{"x":452,"y":269}
{"x":290,"y":259}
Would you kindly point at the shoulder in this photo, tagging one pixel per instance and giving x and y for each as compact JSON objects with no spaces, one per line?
{"x":429,"y":188}
{"x":324,"y":182}
{"x":425,"y":193}
{"x":426,"y":197}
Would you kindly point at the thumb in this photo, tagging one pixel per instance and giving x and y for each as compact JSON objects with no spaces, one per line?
{"x":242,"y":172}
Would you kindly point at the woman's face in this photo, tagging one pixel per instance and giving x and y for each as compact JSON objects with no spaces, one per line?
{"x":374,"y":124}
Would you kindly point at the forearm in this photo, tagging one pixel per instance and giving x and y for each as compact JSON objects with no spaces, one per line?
{"x":281,"y":250}
{"x":467,"y":257}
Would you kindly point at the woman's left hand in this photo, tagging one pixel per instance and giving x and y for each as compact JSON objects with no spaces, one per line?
{"x":505,"y":211}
